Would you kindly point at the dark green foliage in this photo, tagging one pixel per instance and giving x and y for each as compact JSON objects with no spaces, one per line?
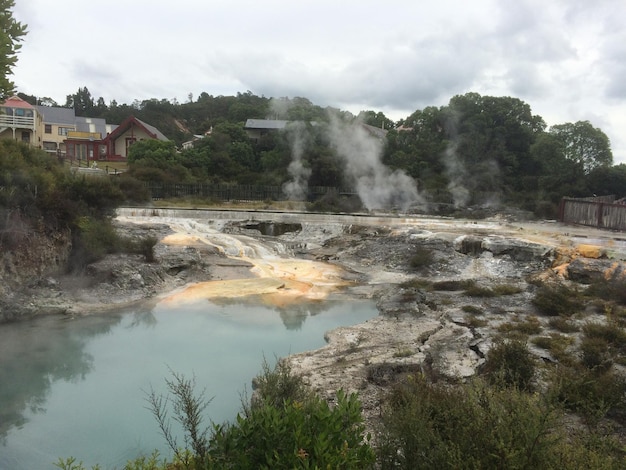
{"x":285,"y":427}
{"x":612,"y":291}
{"x":421,"y":257}
{"x":12,"y":33}
{"x":557,"y":301}
{"x":474,"y":290}
{"x":557,"y":345}
{"x":472,"y":309}
{"x":510,"y":363}
{"x":528,"y":326}
{"x":592,"y":393}
{"x":309,"y":434}
{"x":453,"y":285}
{"x":564,"y":325}
{"x":275,"y":386}
{"x":434,"y":426}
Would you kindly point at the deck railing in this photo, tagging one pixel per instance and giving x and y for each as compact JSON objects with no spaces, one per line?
{"x":18,"y":122}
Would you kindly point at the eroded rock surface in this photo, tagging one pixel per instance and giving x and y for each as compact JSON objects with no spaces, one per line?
{"x":426,"y":322}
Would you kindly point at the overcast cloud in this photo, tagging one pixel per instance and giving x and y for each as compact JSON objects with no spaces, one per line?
{"x":565,"y":58}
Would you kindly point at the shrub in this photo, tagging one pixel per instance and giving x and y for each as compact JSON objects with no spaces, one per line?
{"x":421,"y":258}
{"x":556,"y":344}
{"x":434,"y":426}
{"x":296,"y":434}
{"x":557,"y":301}
{"x":563,"y":325}
{"x":472,"y":309}
{"x":453,"y":285}
{"x":591,"y":393}
{"x":510,"y":363}
{"x":276,"y":386}
{"x":614,"y":290}
{"x":529,"y":326}
{"x":496,"y":291}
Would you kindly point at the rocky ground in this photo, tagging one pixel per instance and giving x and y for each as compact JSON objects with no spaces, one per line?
{"x":391,"y":260}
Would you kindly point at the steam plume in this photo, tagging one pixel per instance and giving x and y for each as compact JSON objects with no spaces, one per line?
{"x":377,"y":186}
{"x":296,"y":189}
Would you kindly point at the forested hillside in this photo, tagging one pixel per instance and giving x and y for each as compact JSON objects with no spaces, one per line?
{"x":474,"y":151}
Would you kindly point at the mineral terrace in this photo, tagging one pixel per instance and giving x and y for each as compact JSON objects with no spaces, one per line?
{"x":287,"y":258}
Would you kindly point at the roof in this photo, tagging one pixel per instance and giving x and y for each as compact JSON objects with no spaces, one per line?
{"x":56,"y":115}
{"x":129,"y":121}
{"x":85,"y":124}
{"x":265,"y":124}
{"x":375,"y":131}
{"x":17,"y":102}
{"x":159,"y":135}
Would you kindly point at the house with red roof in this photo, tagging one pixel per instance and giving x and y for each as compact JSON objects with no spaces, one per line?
{"x":60,"y":132}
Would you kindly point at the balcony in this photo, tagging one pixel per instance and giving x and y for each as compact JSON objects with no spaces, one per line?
{"x":17,"y":122}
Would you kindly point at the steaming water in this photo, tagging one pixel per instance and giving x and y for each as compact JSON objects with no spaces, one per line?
{"x":75,"y":387}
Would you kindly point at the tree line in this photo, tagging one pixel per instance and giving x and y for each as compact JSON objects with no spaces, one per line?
{"x":476,"y":150}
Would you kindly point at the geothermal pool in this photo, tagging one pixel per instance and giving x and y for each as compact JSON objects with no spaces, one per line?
{"x":76,"y":386}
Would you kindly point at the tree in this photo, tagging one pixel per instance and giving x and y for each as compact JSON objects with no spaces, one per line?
{"x":584,"y":144}
{"x":81,"y":101}
{"x":11,"y":34}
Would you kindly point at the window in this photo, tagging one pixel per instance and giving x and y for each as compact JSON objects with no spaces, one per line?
{"x":26,"y":136}
{"x":64,"y":130}
{"x":50,"y":146}
{"x":48,"y":128}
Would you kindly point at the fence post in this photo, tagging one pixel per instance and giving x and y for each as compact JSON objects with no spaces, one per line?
{"x":600,"y":210}
{"x":562,"y":210}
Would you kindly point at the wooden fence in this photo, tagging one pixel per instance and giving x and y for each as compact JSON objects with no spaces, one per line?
{"x":595,"y":212}
{"x":230,"y":192}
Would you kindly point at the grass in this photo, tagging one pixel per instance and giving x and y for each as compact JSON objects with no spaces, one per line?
{"x":403,"y":352}
{"x":452,"y":285}
{"x":495,"y":291}
{"x":556,"y":344}
{"x":528,"y":326}
{"x":472,"y":309}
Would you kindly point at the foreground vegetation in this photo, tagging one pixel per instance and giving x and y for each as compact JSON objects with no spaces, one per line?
{"x":38,"y":194}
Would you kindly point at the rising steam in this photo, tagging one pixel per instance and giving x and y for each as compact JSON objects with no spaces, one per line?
{"x":377,"y":185}
{"x":296,"y":189}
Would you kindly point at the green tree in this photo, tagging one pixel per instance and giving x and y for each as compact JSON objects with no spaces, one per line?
{"x":11,"y":34}
{"x":604,"y":181}
{"x":584,"y":144}
{"x":376,"y":119}
{"x":81,"y":101}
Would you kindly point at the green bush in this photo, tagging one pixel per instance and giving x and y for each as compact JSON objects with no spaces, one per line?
{"x":557,"y":301}
{"x":528,"y":326}
{"x":431,"y":426}
{"x":614,"y":290}
{"x":591,"y":393}
{"x":510,"y":363}
{"x":421,"y":258}
{"x":495,"y":291}
{"x":276,"y":386}
{"x":453,"y":285}
{"x":309,"y":434}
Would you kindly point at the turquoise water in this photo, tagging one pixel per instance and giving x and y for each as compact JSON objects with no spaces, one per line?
{"x":77,"y":386}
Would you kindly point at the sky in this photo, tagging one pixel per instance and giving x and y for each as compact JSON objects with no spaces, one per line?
{"x":565,"y":58}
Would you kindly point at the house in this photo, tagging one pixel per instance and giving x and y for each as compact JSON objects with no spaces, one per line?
{"x":257,"y":128}
{"x":19,"y":120}
{"x":90,"y":143}
{"x":59,"y":131}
